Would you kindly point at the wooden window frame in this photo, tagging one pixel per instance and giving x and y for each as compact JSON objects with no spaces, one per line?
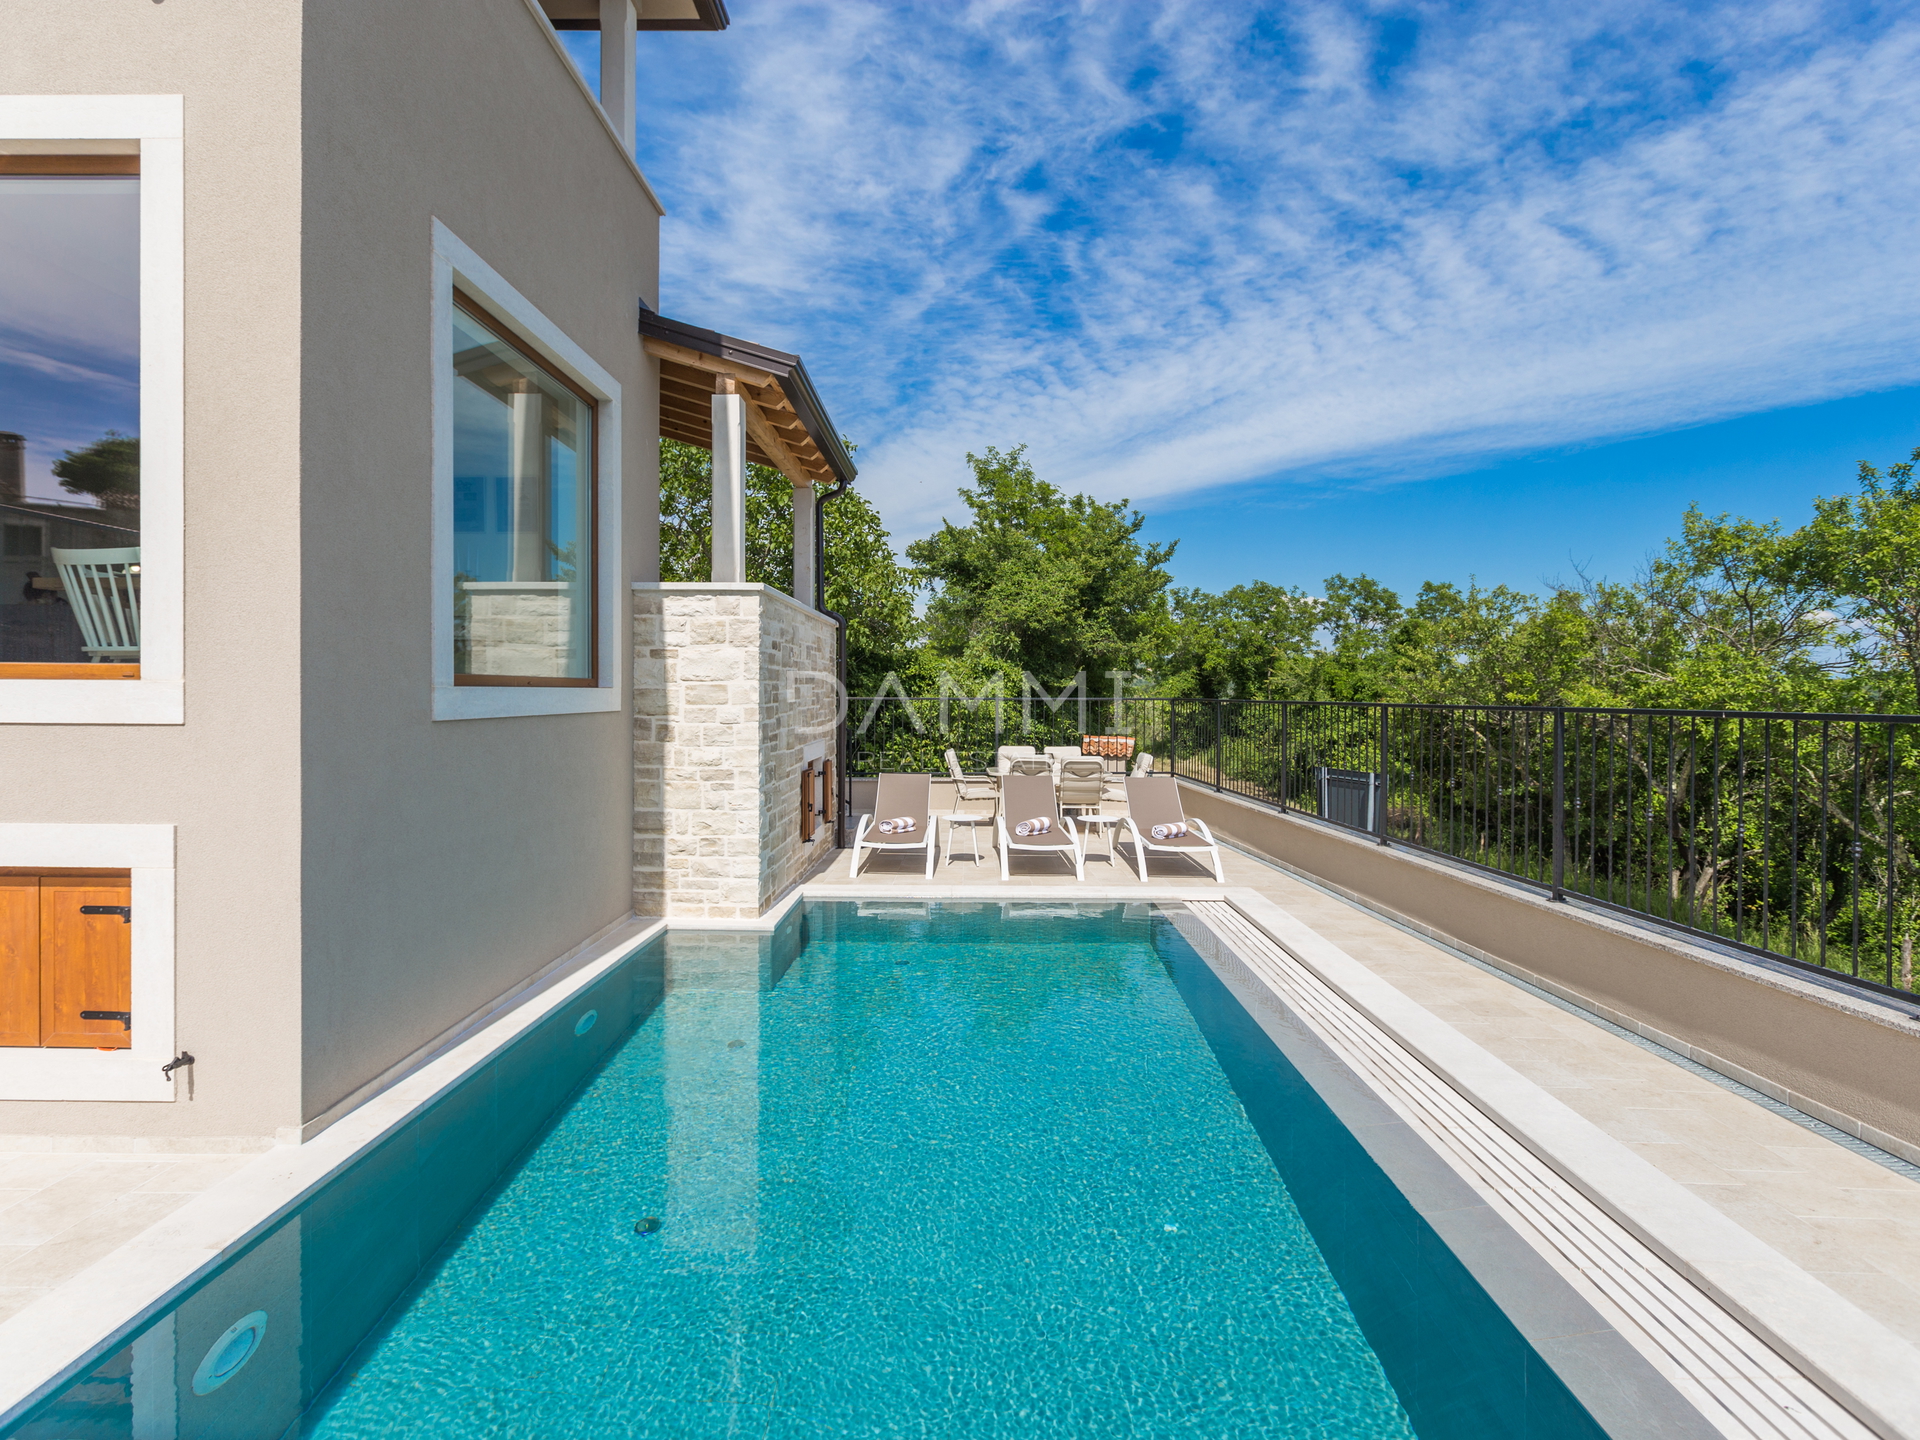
{"x":69,"y":165}
{"x":591,"y":681}
{"x":455,"y":263}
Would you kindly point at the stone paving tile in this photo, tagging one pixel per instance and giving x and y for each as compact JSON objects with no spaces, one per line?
{"x":68,"y":1200}
{"x":1681,"y":1163}
{"x":33,"y":1172}
{"x":83,"y":1205}
{"x":191,"y":1176}
{"x":86,"y":1240}
{"x":1824,"y":1194}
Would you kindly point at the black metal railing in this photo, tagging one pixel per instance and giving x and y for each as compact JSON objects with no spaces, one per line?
{"x":1790,"y":835}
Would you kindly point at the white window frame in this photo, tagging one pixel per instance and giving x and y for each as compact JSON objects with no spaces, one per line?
{"x":455,"y":263}
{"x":30,"y":1072}
{"x":157,"y":697}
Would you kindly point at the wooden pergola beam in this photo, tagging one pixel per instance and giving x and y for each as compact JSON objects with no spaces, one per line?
{"x":764,"y":436}
{"x":712,"y":364}
{"x":689,"y":377}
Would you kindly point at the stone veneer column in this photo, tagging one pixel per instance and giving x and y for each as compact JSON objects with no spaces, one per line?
{"x":732,"y":684}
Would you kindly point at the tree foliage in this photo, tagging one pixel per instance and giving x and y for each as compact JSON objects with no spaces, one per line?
{"x":1731,"y":613}
{"x":1051,"y":583}
{"x":108,"y":470}
{"x":1864,"y":551}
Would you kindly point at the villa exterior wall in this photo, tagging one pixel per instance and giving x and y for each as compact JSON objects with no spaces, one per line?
{"x":446,"y":860}
{"x":354,"y":876}
{"x":732,"y":685}
{"x":229,"y":778}
{"x":1846,"y":1060}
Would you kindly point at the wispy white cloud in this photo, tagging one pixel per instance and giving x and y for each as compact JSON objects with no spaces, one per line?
{"x":1176,"y":247}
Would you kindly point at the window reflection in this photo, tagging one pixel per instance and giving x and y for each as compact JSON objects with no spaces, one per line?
{"x":69,"y":415}
{"x":522,"y":514}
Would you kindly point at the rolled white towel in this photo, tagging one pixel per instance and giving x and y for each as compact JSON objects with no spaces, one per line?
{"x":1169,"y":832}
{"x":904,"y":825}
{"x":1034,"y":827}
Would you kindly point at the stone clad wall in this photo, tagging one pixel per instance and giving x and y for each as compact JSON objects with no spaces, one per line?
{"x":732,"y":683}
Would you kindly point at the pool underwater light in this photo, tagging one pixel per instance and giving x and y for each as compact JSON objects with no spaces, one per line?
{"x":226,"y":1356}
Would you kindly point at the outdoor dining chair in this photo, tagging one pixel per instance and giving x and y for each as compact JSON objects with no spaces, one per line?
{"x":1082,"y":783}
{"x":969,"y":787}
{"x":1154,"y":800}
{"x":1004,"y":757}
{"x":898,"y":797}
{"x":103,"y":588}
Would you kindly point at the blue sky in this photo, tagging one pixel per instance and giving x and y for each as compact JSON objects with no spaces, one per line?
{"x":1421,"y":290}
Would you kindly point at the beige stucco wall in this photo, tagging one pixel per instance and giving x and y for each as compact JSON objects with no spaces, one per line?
{"x":354,"y":876}
{"x":229,"y":778}
{"x":732,"y":684}
{"x":445,"y":860}
{"x":1845,"y":1059}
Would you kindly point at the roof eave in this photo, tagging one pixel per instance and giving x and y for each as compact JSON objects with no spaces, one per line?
{"x":788,"y":369}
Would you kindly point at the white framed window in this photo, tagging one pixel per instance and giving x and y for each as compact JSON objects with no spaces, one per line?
{"x":150,"y":126}
{"x":78,"y":1072}
{"x":545,"y":673}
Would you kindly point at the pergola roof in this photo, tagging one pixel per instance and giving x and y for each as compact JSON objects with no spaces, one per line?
{"x":787,"y":427}
{"x":651,"y":14}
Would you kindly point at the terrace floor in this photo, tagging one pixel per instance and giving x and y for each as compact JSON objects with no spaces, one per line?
{"x":1849,"y":1221}
{"x":64,"y":1205}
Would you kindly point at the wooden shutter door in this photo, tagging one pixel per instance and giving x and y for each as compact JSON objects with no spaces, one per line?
{"x":19,"y":959}
{"x":86,"y":962}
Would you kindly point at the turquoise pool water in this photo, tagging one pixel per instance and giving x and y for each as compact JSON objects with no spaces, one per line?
{"x":924,"y":1171}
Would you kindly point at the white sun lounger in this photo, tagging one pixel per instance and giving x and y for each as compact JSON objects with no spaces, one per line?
{"x":1155,"y":800}
{"x":910,"y":796}
{"x":1031,"y":797}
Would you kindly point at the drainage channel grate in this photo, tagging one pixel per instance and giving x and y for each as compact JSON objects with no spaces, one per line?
{"x":1737,"y":1381}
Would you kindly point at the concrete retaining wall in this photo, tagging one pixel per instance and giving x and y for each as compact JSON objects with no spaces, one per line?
{"x":1843,"y":1058}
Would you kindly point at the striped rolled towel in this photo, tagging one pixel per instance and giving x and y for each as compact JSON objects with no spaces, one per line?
{"x":904,"y":825}
{"x":1034,"y":827}
{"x":1169,"y":832}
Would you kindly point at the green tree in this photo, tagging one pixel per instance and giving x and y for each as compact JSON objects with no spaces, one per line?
{"x":1864,"y":550}
{"x":1727,"y":616}
{"x":865,"y":583}
{"x":1042,"y":581}
{"x":1236,"y":643}
{"x":108,"y":470}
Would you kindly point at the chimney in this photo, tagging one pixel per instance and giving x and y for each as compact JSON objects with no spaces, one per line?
{"x":13,"y":468}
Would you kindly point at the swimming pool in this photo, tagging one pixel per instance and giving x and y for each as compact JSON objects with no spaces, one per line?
{"x":910,"y":1169}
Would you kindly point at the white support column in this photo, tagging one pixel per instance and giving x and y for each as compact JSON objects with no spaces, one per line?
{"x":532,"y":505}
{"x":617,"y":60}
{"x":729,"y":486}
{"x":804,"y":515}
